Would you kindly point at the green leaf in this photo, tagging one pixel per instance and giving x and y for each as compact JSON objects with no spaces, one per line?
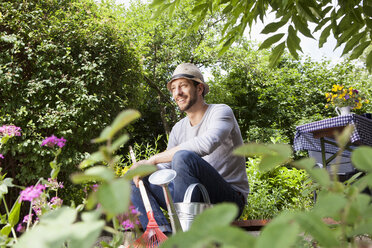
{"x":271,"y":40}
{"x":363,"y":228}
{"x":92,"y":159}
{"x":85,"y":234}
{"x":140,"y":171}
{"x":276,"y":54}
{"x":272,"y":154}
{"x":347,"y":34}
{"x":369,"y":61}
{"x":54,"y":172}
{"x":220,"y":215}
{"x":317,"y":174}
{"x":198,"y":8}
{"x":272,"y":234}
{"x":5,"y":231}
{"x":119,"y":142}
{"x":344,"y":138}
{"x":314,"y":225}
{"x":359,"y":49}
{"x":272,"y":27}
{"x":361,"y":158}
{"x":156,"y":3}
{"x":300,"y":25}
{"x":97,"y":173}
{"x":62,"y":216}
{"x":305,"y":11}
{"x":293,"y":42}
{"x":114,"y":196}
{"x":122,"y":120}
{"x":326,"y":199}
{"x":229,"y":236}
{"x":13,"y":217}
{"x":324,"y":35}
{"x":4,"y":185}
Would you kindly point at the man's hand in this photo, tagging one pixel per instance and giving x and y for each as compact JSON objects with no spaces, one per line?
{"x":136,"y":179}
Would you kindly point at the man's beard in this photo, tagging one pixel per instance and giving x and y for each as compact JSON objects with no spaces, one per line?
{"x":191,"y":102}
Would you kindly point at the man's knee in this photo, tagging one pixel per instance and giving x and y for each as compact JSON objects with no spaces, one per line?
{"x":182,"y":157}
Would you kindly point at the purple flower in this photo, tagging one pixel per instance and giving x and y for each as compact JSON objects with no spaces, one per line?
{"x":127,"y":224}
{"x":10,"y":130}
{"x":20,"y":228}
{"x":55,"y":202}
{"x":31,"y":193}
{"x":347,"y":96}
{"x":1,"y":156}
{"x":356,"y":91}
{"x":53,"y":140}
{"x":27,"y":217}
{"x":94,"y":187}
{"x":133,"y":210}
{"x":53,"y":184}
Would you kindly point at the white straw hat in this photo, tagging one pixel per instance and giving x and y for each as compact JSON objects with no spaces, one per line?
{"x":188,"y":71}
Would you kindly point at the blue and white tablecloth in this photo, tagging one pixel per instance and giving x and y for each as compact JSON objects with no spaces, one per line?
{"x":362,"y":135}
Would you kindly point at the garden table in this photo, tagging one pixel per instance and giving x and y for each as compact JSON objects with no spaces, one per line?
{"x":319,"y":135}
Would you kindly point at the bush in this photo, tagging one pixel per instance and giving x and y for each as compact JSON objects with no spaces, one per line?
{"x":274,"y":191}
{"x":66,"y":68}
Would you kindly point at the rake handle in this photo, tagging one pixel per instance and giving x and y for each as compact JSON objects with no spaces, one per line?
{"x":145,"y":198}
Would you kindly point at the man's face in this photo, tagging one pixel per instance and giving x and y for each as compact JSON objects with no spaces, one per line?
{"x":184,"y":93}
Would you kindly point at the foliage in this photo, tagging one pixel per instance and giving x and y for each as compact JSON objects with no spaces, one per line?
{"x":349,"y":21}
{"x":343,"y":97}
{"x":162,"y":43}
{"x":351,"y":210}
{"x":70,"y":226}
{"x":275,"y":191}
{"x":66,"y":68}
{"x":141,"y":151}
{"x":272,"y":102}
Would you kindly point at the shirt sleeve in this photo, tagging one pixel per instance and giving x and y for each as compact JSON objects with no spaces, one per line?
{"x":219,"y":125}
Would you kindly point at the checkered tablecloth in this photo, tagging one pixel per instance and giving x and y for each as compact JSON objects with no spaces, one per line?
{"x":304,"y":139}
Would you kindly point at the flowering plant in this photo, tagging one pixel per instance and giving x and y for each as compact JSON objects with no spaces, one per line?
{"x":343,"y":97}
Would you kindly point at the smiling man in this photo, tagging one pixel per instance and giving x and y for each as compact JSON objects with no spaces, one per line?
{"x":199,"y":149}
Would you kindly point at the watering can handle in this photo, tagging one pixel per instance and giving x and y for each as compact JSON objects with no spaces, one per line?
{"x":190,"y":189}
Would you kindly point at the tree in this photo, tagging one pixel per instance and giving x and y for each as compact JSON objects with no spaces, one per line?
{"x":350,"y":21}
{"x":66,"y":68}
{"x":163,"y":43}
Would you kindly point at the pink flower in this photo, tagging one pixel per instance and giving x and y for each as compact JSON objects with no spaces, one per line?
{"x":53,"y":140}
{"x":20,"y":228}
{"x":95,"y":187}
{"x":133,"y":210}
{"x":55,"y":202}
{"x":25,"y":219}
{"x":53,"y":184}
{"x":10,"y":130}
{"x":1,"y":156}
{"x":31,"y":193}
{"x":127,"y":224}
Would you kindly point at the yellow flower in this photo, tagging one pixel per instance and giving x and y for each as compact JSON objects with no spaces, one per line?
{"x":340,"y":87}
{"x":334,"y":88}
{"x":326,"y":106}
{"x":366,"y":101}
{"x":327,"y":94}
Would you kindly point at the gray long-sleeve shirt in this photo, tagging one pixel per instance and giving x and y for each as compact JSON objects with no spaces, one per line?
{"x":214,"y":139}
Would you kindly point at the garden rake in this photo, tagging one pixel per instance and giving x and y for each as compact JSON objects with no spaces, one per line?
{"x":153,"y":236}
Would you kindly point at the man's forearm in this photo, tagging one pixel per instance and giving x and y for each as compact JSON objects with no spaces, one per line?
{"x":164,"y":157}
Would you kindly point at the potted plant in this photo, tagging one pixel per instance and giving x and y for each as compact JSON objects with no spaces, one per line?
{"x":344,"y":99}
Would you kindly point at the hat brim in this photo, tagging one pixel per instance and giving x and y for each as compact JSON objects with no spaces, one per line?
{"x":206,"y":87}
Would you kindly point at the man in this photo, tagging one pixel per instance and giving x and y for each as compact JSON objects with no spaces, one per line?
{"x":199,"y":149}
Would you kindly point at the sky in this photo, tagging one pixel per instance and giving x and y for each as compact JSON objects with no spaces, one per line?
{"x":309,"y":46}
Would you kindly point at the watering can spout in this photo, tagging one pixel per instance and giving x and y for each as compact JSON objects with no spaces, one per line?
{"x":163,"y":178}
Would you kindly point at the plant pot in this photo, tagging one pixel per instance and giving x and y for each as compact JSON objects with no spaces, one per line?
{"x":343,"y":110}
